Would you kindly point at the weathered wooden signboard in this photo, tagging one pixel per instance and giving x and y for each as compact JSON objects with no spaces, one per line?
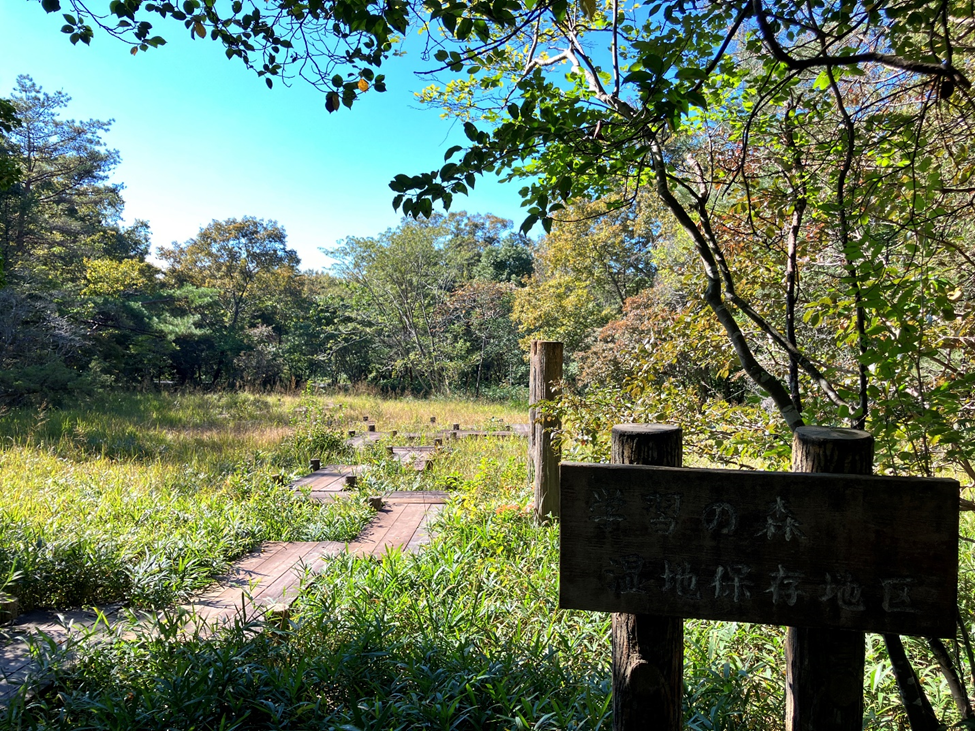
{"x":878,"y":554}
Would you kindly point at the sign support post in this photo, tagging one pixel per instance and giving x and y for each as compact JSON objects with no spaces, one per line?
{"x":832,"y":554}
{"x":824,"y":667}
{"x":648,"y":650}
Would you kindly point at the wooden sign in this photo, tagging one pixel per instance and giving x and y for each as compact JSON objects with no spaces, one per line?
{"x":878,"y":554}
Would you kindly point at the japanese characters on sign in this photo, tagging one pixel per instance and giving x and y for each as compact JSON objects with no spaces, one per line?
{"x":859,"y":552}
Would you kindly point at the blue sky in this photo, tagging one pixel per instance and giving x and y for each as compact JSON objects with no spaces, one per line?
{"x":202,"y":138}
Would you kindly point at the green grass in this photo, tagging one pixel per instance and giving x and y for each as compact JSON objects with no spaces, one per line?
{"x":142,"y":500}
{"x":465,"y":635}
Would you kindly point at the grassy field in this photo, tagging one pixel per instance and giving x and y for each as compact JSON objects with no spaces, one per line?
{"x":465,"y":635}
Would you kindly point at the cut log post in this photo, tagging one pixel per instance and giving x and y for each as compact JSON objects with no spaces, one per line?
{"x":543,"y":457}
{"x":455,"y":427}
{"x":648,"y":650}
{"x":9,"y":608}
{"x":351,"y":432}
{"x":315,"y":465}
{"x":433,"y":419}
{"x":824,"y":667}
{"x":371,"y":427}
{"x":350,"y":480}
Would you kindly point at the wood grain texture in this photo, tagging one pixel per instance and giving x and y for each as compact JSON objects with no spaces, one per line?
{"x":824,"y":667}
{"x":656,"y":445}
{"x":807,"y":550}
{"x":545,"y":373}
{"x":648,"y":649}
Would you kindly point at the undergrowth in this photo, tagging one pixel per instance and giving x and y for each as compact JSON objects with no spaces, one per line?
{"x":465,"y":635}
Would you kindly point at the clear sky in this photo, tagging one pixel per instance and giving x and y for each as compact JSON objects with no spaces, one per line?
{"x":203,"y":138}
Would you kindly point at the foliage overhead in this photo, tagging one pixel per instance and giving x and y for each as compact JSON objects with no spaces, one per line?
{"x":859,"y":111}
{"x":577,"y":94}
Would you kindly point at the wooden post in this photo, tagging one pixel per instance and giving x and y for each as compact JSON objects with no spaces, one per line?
{"x":648,"y":650}
{"x":315,"y":464}
{"x":824,"y":667}
{"x":543,"y":458}
{"x":371,"y":427}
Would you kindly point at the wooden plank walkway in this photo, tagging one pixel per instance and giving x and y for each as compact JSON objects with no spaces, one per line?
{"x":361,"y":440}
{"x":268,"y":578}
{"x":329,"y":482}
{"x":273,"y":575}
{"x":49,"y":631}
{"x":418,"y":457}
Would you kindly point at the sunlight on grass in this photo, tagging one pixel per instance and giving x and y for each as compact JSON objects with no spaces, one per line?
{"x":466,"y":634}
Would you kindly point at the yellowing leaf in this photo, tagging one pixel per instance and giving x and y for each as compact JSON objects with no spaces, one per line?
{"x":363,"y":85}
{"x":199,"y":29}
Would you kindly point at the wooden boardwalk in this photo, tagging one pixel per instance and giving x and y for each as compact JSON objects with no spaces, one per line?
{"x":268,"y":578}
{"x":50,"y":631}
{"x":330,"y":481}
{"x":361,"y":440}
{"x":273,"y":575}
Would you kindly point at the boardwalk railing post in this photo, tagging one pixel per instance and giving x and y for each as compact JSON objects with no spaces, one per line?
{"x":648,"y":650}
{"x":824,"y":667}
{"x":543,"y":457}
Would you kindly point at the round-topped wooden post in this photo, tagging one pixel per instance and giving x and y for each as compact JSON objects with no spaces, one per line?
{"x":824,"y":667}
{"x":648,"y":650}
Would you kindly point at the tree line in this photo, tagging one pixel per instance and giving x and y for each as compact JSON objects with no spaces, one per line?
{"x":422,"y":308}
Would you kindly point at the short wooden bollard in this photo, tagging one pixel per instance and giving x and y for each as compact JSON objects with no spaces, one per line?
{"x":393,"y":433}
{"x":543,"y":457}
{"x":351,"y":433}
{"x":350,"y":480}
{"x":390,"y":450}
{"x":9,"y":608}
{"x":433,"y":419}
{"x":365,"y":418}
{"x":824,"y":667}
{"x":455,"y":427}
{"x":648,"y":650}
{"x":438,"y":442}
{"x":371,"y":427}
{"x":315,"y":465}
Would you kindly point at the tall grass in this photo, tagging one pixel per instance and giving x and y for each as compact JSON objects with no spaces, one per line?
{"x":465,"y":635}
{"x":143,"y":499}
